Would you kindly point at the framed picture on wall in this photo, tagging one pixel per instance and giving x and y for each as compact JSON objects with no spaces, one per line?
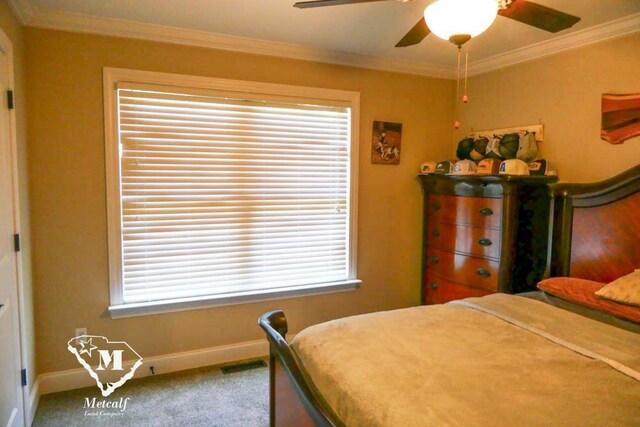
{"x":620,"y":117}
{"x":386,"y":143}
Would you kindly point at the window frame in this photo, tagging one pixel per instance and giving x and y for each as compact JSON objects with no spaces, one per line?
{"x":259,"y":90}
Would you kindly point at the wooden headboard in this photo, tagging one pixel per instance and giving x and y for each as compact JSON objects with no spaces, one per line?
{"x":596,"y":228}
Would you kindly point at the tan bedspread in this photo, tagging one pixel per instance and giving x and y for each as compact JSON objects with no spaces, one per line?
{"x":454,"y":365}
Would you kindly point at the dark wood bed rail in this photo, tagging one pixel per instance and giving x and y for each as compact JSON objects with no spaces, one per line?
{"x":593,"y":223}
{"x":292,"y":401}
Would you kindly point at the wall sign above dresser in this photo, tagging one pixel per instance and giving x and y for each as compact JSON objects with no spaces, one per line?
{"x":483,"y":234}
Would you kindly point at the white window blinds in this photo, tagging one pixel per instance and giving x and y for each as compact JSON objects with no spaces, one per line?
{"x":221,"y":195}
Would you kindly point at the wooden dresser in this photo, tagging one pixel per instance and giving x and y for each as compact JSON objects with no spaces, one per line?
{"x":483,"y":234}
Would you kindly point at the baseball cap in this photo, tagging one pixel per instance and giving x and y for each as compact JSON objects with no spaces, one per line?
{"x":428,"y":167}
{"x":464,"y":148}
{"x":488,"y":167}
{"x":479,"y":149}
{"x":444,"y":167}
{"x":527,"y":147}
{"x":509,"y":144}
{"x":465,"y":167}
{"x":493,"y":148}
{"x":542,"y":167}
{"x":514,"y":167}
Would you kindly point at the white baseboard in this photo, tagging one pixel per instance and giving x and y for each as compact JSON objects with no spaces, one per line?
{"x":32,"y":406}
{"x":77,"y":378}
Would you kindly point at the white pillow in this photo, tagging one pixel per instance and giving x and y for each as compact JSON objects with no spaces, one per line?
{"x":625,"y":290}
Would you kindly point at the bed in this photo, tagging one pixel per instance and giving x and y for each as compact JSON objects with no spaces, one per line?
{"x":529,"y":359}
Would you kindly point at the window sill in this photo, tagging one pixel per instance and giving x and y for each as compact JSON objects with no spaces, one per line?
{"x":167,"y":306}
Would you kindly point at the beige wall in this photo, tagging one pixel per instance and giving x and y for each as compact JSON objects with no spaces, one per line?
{"x":564,"y":91}
{"x":68,"y":191}
{"x":12,"y":28}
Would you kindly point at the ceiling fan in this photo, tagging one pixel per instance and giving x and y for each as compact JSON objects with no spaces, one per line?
{"x":527,"y":12}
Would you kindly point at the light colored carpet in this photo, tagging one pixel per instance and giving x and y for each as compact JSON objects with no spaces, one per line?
{"x":198,"y":397}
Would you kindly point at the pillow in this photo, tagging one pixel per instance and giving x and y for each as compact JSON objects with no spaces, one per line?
{"x":583,"y":292}
{"x":626,"y":289}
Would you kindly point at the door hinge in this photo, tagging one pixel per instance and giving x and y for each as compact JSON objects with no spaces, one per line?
{"x":10,"y":99}
{"x":16,"y":242}
{"x":23,"y":374}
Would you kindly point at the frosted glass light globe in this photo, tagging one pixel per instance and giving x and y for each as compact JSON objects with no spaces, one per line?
{"x":446,"y":18}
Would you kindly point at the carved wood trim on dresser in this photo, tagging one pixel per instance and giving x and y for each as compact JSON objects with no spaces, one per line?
{"x":483,"y":234}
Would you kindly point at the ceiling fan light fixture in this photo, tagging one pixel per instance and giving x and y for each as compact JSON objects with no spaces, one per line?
{"x":450,"y":19}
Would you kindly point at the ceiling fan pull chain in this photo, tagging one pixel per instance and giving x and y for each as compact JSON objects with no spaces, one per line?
{"x":456,"y":124}
{"x":465,"y":98}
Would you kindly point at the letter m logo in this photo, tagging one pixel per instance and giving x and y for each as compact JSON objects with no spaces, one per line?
{"x":106,"y":358}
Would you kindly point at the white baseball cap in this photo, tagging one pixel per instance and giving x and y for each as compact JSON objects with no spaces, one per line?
{"x":493,"y":148}
{"x":514,"y":167}
{"x":465,"y":167}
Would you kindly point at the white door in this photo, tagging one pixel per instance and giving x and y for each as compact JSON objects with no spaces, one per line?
{"x":11,"y":409}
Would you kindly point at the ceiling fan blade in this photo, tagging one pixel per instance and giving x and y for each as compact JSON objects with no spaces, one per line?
{"x":322,"y":3}
{"x":539,"y":16}
{"x":415,"y":35}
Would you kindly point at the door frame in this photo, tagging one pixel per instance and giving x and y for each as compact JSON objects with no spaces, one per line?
{"x":7,"y":47}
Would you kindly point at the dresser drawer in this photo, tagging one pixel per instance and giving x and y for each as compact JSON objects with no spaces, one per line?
{"x":439,"y":290}
{"x":466,"y":239}
{"x":480,"y":211}
{"x":471,"y":271}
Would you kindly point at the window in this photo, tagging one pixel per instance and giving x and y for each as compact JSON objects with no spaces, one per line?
{"x":222,"y":191}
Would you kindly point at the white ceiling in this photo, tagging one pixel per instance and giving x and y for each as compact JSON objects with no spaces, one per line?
{"x":370,"y":29}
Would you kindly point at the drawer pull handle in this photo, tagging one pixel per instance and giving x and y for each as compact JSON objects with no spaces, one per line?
{"x":485,"y":242}
{"x":436,"y":205}
{"x":486,"y":212}
{"x":435,"y":232}
{"x":433,"y":285}
{"x":483,"y":272}
{"x":434,"y":259}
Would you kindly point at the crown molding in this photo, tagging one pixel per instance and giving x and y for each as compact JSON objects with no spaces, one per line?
{"x":41,"y":18}
{"x":598,"y":33}
{"x":23,"y":10}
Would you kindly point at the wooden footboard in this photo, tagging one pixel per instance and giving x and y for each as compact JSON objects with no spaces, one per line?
{"x":293,"y":399}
